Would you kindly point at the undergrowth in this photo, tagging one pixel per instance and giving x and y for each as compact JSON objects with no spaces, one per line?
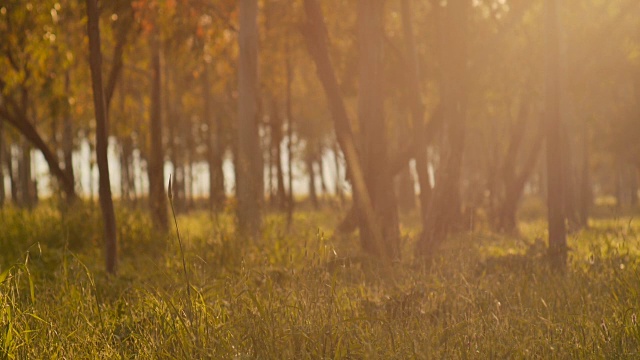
{"x":304,"y":293}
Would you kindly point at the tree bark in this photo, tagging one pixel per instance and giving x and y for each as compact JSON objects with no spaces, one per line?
{"x":555,"y":182}
{"x":316,"y":36}
{"x":249,"y":180}
{"x":157,"y":198}
{"x":106,"y":202}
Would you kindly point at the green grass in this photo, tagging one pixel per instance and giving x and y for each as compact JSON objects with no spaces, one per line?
{"x":304,"y":293}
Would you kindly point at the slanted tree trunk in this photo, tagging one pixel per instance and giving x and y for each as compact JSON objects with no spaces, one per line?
{"x":249,"y":179}
{"x":515,"y":187}
{"x":17,"y":117}
{"x":106,"y":202}
{"x":555,"y":181}
{"x":157,"y":198}
{"x":316,"y":36}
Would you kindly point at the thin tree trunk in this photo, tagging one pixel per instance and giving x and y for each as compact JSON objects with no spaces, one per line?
{"x":338,"y":179}
{"x":249,"y":180}
{"x":323,"y":182}
{"x":106,"y":202}
{"x":555,"y":183}
{"x":126,"y":178}
{"x":2,"y":161}
{"x":67,"y":133}
{"x":313,"y":192}
{"x":24,"y":174}
{"x":12,"y":176}
{"x":276,"y":138}
{"x":585,"y":178}
{"x":417,"y":110}
{"x":157,"y":198}
{"x":289,"y":105}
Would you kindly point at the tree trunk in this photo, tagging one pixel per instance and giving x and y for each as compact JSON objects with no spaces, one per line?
{"x":2,"y":158}
{"x":555,"y":182}
{"x":249,"y":180}
{"x":276,"y":143}
{"x":67,"y":133}
{"x":585,"y":179}
{"x":375,"y":153}
{"x":126,"y":176}
{"x":24,"y":175}
{"x":444,"y":204}
{"x":157,"y":198}
{"x":515,"y":187}
{"x":106,"y":202}
{"x":313,"y":191}
{"x":405,"y":189}
{"x":289,"y":105}
{"x":214,"y":153}
{"x":12,"y":176}
{"x":417,"y":114}
{"x":338,"y":179}
{"x":316,"y":36}
{"x":19,"y":120}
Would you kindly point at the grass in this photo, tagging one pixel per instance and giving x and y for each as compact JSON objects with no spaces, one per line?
{"x":304,"y":293}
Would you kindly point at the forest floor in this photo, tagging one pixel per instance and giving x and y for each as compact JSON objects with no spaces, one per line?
{"x":306,"y":293}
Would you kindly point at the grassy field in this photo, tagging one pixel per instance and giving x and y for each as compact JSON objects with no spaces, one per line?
{"x":305,"y":293}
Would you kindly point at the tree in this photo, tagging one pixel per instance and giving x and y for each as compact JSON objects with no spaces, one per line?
{"x":249,"y":181}
{"x":2,"y":157}
{"x":555,"y":182}
{"x":375,"y":152}
{"x":316,"y":35}
{"x":214,"y":148}
{"x":157,"y":198}
{"x":100,"y":109}
{"x":445,"y":203}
